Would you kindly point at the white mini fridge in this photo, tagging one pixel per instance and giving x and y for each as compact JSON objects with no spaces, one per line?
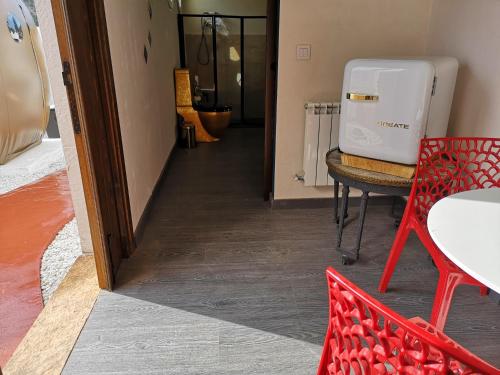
{"x":389,"y":105}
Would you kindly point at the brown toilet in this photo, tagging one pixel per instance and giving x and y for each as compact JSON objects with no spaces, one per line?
{"x":215,"y":119}
{"x":185,"y":108}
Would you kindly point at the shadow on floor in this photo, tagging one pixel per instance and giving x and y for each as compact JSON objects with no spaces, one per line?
{"x":223,"y":284}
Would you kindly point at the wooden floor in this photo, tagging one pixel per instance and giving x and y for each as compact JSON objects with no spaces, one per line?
{"x":222,"y":284}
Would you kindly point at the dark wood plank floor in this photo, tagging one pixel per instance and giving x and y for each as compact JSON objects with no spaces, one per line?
{"x":222,"y":284}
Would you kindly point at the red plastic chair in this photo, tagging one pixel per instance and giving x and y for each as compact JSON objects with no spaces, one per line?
{"x":446,"y":166}
{"x":366,"y":337}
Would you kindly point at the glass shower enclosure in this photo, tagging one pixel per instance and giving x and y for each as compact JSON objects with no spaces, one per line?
{"x":226,"y":58}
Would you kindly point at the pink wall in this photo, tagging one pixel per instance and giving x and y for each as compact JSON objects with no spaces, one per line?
{"x":145,"y":92}
{"x":338,"y":30}
{"x":470,"y":31}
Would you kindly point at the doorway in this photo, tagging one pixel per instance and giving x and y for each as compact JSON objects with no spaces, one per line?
{"x":43,"y":193}
{"x":232,"y":61}
{"x":84,"y":48}
{"x":88,"y":76}
{"x":225,"y":55}
{"x":85,"y":52}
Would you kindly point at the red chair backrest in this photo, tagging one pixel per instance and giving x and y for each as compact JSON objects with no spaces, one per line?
{"x":366,"y":337}
{"x":450,"y":165}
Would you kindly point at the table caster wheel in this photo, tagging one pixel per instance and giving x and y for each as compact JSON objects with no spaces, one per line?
{"x":346,"y":261}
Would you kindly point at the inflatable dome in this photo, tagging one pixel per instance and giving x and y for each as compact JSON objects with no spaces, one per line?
{"x":24,"y":86}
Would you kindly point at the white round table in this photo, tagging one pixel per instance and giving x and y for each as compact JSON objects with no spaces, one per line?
{"x":466,"y":228}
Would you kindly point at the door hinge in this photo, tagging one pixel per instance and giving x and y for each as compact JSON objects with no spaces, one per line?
{"x":70,"y":90}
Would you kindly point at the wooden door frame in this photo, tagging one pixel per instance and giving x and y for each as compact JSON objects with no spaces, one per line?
{"x":87,"y":143}
{"x":272,"y":39}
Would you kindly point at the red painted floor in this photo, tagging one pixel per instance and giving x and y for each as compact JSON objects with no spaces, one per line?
{"x":30,"y":218}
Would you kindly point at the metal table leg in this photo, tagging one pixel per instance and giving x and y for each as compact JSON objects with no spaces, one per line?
{"x":362,"y":214}
{"x":350,"y":256}
{"x":336,"y":201}
{"x":343,"y":209}
{"x":397,"y":211}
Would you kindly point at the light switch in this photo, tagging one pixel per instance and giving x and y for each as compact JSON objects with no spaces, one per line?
{"x":303,"y":52}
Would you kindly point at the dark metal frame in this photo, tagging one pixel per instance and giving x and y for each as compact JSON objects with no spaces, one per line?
{"x":350,"y":256}
{"x":182,"y":51}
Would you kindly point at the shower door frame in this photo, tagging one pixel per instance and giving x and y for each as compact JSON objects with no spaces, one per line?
{"x":182,"y":51}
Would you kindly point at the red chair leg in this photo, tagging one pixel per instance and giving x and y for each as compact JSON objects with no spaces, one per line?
{"x":442,"y":301}
{"x":323,"y":363}
{"x":397,"y":248}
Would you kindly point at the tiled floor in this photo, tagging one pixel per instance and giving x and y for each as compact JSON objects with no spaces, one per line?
{"x":222,"y":284}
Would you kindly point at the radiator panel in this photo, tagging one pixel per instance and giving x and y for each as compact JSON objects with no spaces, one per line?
{"x":321,"y":135}
{"x":325,"y":128}
{"x":334,"y":134}
{"x":311,"y":145}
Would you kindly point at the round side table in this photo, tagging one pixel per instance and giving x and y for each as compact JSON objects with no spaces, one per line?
{"x":367,"y":182}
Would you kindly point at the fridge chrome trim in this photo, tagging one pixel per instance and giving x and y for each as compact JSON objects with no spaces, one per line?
{"x":361,"y":97}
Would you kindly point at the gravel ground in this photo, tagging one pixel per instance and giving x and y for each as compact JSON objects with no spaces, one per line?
{"x":32,"y":165}
{"x":58,"y":258}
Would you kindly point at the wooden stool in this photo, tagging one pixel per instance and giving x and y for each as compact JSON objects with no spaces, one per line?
{"x":366,"y":181}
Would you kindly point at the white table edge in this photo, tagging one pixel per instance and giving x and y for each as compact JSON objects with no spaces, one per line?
{"x":457,"y":262}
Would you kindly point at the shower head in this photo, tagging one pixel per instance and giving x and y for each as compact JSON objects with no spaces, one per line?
{"x":207,"y":23}
{"x":220,"y":26}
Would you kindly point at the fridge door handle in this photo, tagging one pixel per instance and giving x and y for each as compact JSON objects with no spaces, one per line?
{"x":361,"y":97}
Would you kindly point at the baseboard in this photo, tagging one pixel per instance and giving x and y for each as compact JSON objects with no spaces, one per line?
{"x":139,"y":230}
{"x":377,"y":200}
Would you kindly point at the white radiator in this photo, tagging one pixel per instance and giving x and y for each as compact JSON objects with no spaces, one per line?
{"x":321,"y":135}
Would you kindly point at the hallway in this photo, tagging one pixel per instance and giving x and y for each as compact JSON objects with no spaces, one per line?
{"x":222,"y":284}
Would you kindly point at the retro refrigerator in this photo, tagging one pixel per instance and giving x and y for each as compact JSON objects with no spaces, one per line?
{"x":389,"y":105}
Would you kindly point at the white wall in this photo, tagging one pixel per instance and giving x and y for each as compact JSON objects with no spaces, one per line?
{"x":65,"y":125}
{"x":470,"y":31}
{"x":229,"y":7}
{"x":338,"y":30}
{"x":145,"y":92}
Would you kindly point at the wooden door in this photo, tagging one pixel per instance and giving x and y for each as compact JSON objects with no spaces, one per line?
{"x":87,"y":72}
{"x":271,"y":86}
